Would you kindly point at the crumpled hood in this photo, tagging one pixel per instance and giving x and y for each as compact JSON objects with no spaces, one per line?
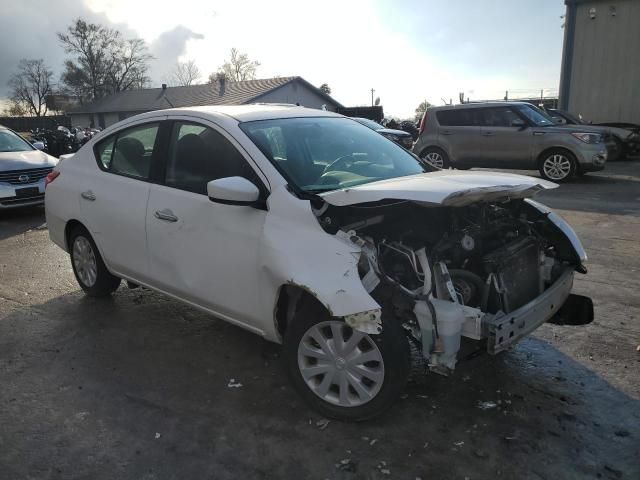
{"x":446,"y":187}
{"x":24,"y":160}
{"x":391,"y":131}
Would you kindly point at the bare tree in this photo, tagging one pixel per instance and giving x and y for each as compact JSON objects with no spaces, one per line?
{"x":421,"y":109}
{"x":14,"y":109}
{"x":185,"y":74}
{"x":103,"y":62}
{"x":30,"y":87}
{"x":325,"y":88}
{"x":239,"y":67}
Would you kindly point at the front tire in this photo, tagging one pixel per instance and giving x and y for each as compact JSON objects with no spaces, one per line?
{"x":557,"y":165}
{"x":90,"y":271}
{"x":343,"y":373}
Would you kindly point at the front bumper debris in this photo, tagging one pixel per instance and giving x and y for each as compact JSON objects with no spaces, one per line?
{"x":503,"y":330}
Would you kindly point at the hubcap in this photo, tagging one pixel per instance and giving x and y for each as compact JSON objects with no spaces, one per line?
{"x":340,"y":365}
{"x":435,"y":159}
{"x":557,"y":167}
{"x":84,"y":260}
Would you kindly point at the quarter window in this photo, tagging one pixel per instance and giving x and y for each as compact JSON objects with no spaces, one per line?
{"x":469,"y":117}
{"x":198,"y":154}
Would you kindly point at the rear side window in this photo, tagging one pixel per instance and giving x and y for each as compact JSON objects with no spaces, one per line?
{"x":469,"y":117}
{"x":199,"y":154}
{"x":499,"y":116}
{"x":129,"y":152}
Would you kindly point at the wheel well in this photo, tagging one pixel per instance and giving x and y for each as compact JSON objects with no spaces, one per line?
{"x":69,"y":227}
{"x":552,"y":149}
{"x":290,"y":299}
{"x":432,"y":147}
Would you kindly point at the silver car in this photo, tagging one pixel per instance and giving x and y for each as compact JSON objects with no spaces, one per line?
{"x":23,"y":171}
{"x":507,"y":135}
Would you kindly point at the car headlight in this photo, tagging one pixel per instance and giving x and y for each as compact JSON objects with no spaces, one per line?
{"x":588,"y":137}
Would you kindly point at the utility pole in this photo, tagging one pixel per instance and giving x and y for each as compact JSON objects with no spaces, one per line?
{"x":372,"y":91}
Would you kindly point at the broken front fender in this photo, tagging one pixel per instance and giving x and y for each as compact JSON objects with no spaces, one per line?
{"x":296,"y":251}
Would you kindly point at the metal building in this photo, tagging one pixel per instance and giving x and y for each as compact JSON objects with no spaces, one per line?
{"x":600,"y":76}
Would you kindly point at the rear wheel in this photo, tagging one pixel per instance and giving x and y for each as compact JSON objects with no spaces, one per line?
{"x":341,"y":372}
{"x":91,"y":273}
{"x":557,"y":165}
{"x":436,"y":157}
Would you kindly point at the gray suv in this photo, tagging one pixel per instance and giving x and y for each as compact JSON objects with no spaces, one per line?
{"x":507,"y":135}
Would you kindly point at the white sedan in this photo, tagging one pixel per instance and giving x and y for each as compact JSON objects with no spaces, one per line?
{"x":313,"y":231}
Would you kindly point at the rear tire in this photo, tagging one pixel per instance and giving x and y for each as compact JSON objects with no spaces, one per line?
{"x":339,"y":390}
{"x":557,"y":165}
{"x":90,"y":271}
{"x":436,"y":157}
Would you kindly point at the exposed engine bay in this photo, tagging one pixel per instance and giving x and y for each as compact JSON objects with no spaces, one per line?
{"x":492,"y":271}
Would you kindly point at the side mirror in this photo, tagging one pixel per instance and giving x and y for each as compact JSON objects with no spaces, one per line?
{"x":38,"y":145}
{"x":518,"y":124}
{"x":233,"y":191}
{"x":559,"y":120}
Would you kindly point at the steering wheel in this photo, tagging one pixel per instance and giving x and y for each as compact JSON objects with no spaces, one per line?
{"x":346,"y":159}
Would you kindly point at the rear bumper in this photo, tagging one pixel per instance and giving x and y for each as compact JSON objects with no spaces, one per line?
{"x":505,"y":329}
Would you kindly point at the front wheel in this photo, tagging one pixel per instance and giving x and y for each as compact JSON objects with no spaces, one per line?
{"x":90,"y":271}
{"x":343,"y":373}
{"x":557,"y":166}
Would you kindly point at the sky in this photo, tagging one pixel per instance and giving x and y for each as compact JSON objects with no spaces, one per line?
{"x":407,"y":50}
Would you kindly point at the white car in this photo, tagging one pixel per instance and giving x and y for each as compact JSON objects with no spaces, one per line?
{"x":23,"y":169}
{"x":312,"y":230}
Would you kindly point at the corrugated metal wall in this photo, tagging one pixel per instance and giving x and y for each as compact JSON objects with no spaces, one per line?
{"x":605,"y":73}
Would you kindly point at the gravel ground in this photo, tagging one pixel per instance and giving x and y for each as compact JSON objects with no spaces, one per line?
{"x":137,"y":386}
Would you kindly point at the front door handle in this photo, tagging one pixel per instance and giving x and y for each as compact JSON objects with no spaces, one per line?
{"x":166,"y":215}
{"x":88,"y":195}
{"x":488,"y":134}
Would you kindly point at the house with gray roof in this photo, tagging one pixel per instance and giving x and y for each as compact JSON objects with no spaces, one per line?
{"x":113,"y":108}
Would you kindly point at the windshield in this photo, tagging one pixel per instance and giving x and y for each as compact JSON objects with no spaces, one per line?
{"x":535,"y":115}
{"x":369,"y":123}
{"x":321,"y":154}
{"x":10,"y":142}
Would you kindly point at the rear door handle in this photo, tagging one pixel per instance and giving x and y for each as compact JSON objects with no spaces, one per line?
{"x":88,"y":195}
{"x":447,"y":132}
{"x":166,"y":215}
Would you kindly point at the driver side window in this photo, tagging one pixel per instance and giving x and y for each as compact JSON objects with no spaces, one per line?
{"x":199,"y":154}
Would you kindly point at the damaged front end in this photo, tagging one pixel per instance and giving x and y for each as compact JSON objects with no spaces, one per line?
{"x":490,"y":271}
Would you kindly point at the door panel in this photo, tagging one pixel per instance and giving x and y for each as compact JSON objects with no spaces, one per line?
{"x":205,"y":252}
{"x":113,"y":198}
{"x":504,"y":146}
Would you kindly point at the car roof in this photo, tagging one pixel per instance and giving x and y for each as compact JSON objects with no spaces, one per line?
{"x":247,"y":113}
{"x":476,"y":105}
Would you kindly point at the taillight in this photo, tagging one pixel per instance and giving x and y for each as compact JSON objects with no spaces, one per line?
{"x":423,"y":123}
{"x":53,"y":174}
